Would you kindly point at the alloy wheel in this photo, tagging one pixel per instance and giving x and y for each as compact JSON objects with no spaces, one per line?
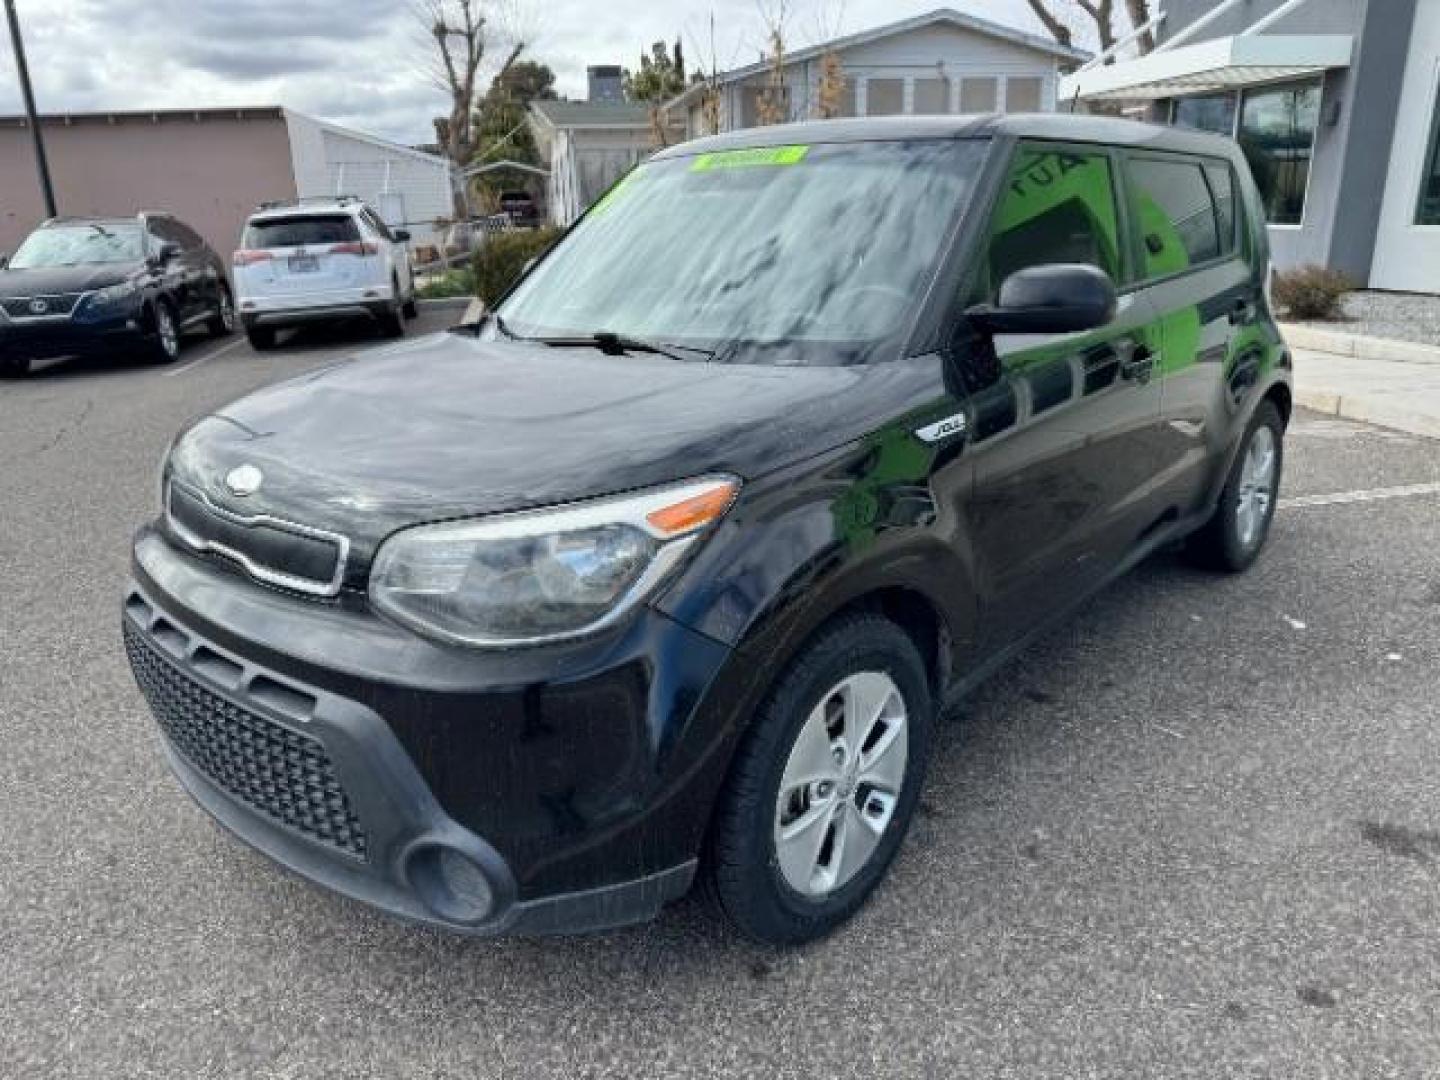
{"x":1257,"y":487}
{"x":841,"y":784}
{"x":165,"y":330}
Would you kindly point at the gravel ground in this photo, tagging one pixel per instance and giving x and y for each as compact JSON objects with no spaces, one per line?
{"x":1194,"y":833}
{"x":1403,"y":316}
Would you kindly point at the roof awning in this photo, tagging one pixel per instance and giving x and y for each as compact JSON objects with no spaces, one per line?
{"x":1221,"y":64}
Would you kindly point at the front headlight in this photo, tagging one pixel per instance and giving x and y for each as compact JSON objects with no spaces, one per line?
{"x":114,"y":294}
{"x":542,"y":575}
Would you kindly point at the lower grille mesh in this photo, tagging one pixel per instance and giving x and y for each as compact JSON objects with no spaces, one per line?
{"x":284,"y":775}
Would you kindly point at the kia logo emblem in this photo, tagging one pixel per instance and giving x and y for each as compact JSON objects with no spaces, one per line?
{"x":38,"y":306}
{"x":244,"y":480}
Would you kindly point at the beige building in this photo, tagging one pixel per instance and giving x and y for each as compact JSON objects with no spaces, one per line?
{"x":211,"y":168}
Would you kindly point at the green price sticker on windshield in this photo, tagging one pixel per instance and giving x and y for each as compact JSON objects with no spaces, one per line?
{"x":756,"y":157}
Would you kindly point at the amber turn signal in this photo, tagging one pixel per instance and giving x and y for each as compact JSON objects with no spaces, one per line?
{"x":695,"y":512}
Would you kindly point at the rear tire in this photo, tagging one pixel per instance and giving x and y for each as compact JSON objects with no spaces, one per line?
{"x":410,"y":310}
{"x":14,"y":367}
{"x":392,"y":325}
{"x":1236,"y":532}
{"x":823,"y":786}
{"x":222,"y":323}
{"x":165,"y":345}
{"x":261,"y":338}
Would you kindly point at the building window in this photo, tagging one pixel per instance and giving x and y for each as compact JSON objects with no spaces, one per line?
{"x":978,"y":95}
{"x":1022,"y":95}
{"x":1205,"y":112}
{"x":885,"y":97}
{"x":751,"y":104}
{"x":932,"y":96}
{"x":1428,"y":212}
{"x":1277,"y":133}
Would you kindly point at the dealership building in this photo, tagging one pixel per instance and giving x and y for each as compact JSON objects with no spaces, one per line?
{"x":1336,"y":104}
{"x":211,"y":168}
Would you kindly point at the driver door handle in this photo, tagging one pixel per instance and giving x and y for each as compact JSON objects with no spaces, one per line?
{"x":1138,"y":366}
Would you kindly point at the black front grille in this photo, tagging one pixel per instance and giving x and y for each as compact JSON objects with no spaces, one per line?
{"x":284,"y":775}
{"x":279,"y":552}
{"x":23,"y":307}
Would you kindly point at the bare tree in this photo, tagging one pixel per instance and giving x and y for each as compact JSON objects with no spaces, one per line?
{"x":460,"y":33}
{"x":1054,"y":15}
{"x":830,"y":85}
{"x":774,"y":104}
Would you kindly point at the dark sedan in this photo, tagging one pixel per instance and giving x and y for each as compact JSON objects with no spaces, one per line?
{"x":81,"y":286}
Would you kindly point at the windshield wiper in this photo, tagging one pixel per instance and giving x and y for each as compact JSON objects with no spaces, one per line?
{"x":612,"y":344}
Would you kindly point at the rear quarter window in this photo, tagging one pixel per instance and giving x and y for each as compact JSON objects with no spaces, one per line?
{"x":1180,"y":221}
{"x":301,"y":231}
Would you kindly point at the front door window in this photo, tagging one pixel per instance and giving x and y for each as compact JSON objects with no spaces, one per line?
{"x":1428,"y":212}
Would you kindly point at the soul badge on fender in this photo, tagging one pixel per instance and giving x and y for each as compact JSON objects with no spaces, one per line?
{"x":942,"y":429}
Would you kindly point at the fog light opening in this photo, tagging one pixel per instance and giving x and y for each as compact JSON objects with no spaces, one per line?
{"x":451,"y":884}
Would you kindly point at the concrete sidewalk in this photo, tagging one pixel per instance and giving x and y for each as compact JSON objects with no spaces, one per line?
{"x":1390,"y":393}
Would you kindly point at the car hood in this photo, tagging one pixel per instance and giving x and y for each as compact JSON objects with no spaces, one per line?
{"x":50,"y":280}
{"x":451,"y":426}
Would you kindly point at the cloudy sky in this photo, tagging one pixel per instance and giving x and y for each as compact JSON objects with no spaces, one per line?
{"x":362,"y":62}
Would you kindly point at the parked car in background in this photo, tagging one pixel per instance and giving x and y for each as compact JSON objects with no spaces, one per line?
{"x":667,"y":567}
{"x":321,"y":260}
{"x":521,"y":208}
{"x":109,"y":286}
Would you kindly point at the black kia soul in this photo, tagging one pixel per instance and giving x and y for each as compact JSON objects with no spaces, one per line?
{"x":666,"y":568}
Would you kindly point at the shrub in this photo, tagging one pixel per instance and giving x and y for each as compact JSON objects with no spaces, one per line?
{"x":502,"y":258}
{"x":447,"y":284}
{"x":1311,"y":292}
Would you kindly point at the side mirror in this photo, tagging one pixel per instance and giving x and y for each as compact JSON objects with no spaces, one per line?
{"x":1056,"y":299}
{"x":166,"y":251}
{"x":403,"y":235}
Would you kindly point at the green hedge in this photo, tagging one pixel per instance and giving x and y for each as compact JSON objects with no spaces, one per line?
{"x":502,"y":258}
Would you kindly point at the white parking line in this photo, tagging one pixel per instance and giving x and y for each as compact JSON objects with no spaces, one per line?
{"x":1403,"y":491}
{"x":183,"y":368}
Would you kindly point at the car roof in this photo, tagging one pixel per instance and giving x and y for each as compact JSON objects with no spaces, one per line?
{"x":60,"y":222}
{"x":307,"y":208}
{"x":1070,"y":127}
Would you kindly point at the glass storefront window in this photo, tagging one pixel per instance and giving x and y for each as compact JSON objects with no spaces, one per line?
{"x":1206,"y":112}
{"x":1277,"y":134}
{"x":1428,"y":212}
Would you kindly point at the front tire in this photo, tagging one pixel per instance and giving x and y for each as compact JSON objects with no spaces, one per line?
{"x":261,"y":338}
{"x":222,"y":323}
{"x":165,"y":346}
{"x":1236,"y":532}
{"x":14,"y":367}
{"x":824,"y":785}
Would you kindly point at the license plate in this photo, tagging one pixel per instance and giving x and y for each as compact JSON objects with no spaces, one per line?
{"x":304,"y":264}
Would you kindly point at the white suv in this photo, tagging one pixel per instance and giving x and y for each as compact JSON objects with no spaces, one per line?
{"x":318,"y":260}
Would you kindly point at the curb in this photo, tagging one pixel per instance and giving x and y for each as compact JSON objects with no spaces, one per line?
{"x":1366,"y":348}
{"x":1370,"y":410}
{"x":442,"y":304}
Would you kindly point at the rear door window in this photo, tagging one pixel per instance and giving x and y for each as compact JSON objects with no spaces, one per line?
{"x":1058,"y":207}
{"x":1176,"y":215}
{"x":309,"y":230}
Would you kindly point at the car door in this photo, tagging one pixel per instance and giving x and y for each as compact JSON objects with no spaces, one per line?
{"x":179,"y":274}
{"x":1207,"y":299}
{"x":1063,"y":430}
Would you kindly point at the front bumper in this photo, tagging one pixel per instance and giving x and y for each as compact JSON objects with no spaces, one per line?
{"x":351,"y":751}
{"x":41,"y":339}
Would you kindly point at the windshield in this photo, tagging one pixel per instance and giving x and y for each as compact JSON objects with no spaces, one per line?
{"x":80,"y":245}
{"x":741,"y":252}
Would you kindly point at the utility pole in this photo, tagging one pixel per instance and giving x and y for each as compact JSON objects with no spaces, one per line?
{"x":41,"y":166}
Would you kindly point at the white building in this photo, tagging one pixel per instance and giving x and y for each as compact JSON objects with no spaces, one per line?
{"x":409,"y":188}
{"x":587,"y":146}
{"x":941,"y":62}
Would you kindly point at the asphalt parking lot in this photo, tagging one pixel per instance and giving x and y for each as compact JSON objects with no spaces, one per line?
{"x":1195,"y":833}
